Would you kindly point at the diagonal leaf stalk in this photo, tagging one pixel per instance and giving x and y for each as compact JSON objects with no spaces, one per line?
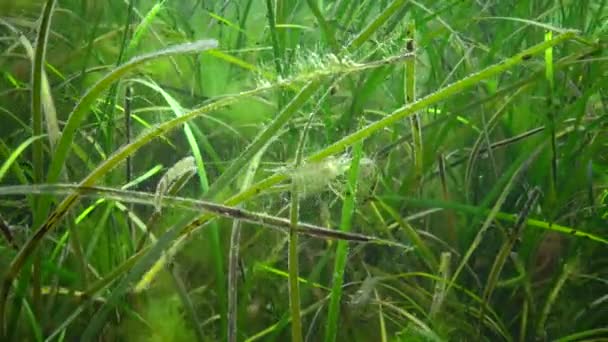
{"x":503,"y":216}
{"x":282,"y":118}
{"x":438,"y":96}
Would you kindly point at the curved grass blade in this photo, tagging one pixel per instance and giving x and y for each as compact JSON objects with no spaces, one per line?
{"x":16,"y":153}
{"x":568,"y":269}
{"x":178,"y":111}
{"x":82,"y":108}
{"x":37,"y":88}
{"x":45,"y":98}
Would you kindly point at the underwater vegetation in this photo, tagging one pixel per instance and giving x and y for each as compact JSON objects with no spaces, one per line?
{"x":275,"y":170}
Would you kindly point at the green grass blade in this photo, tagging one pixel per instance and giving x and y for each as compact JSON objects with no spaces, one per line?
{"x":143,"y":27}
{"x":15,"y":154}
{"x":233,"y":258}
{"x":348,"y":208}
{"x":38,"y":88}
{"x":410,"y":97}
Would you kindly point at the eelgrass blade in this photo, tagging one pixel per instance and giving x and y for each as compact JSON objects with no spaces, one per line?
{"x":37,"y":91}
{"x":439,"y":296}
{"x":365,"y":34}
{"x":513,"y":236}
{"x":348,"y":208}
{"x":37,"y":79}
{"x":567,"y":270}
{"x":475,"y":210}
{"x":274,"y":36}
{"x":16,"y":154}
{"x":283,"y":322}
{"x":551,"y":123}
{"x":410,"y":97}
{"x":292,"y":254}
{"x":293,"y":266}
{"x":233,"y":256}
{"x":426,"y":254}
{"x":46,"y":98}
{"x":108,"y":130}
{"x":143,"y":27}
{"x":381,"y":321}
